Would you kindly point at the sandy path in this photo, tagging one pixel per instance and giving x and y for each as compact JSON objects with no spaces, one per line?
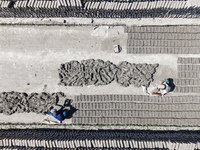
{"x":30,"y":57}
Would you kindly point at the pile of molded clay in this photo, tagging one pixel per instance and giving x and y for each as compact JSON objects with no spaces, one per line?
{"x":11,"y":102}
{"x":97,"y":72}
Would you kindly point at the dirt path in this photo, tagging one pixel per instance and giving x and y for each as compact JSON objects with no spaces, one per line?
{"x":30,"y":57}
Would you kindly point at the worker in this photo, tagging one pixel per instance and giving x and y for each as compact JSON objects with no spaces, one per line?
{"x":60,"y":114}
{"x":161,"y":90}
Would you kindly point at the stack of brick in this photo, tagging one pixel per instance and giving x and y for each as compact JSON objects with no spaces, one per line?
{"x":98,"y":139}
{"x":188,"y":75}
{"x":137,"y":110}
{"x":99,"y":9}
{"x":163,"y":39}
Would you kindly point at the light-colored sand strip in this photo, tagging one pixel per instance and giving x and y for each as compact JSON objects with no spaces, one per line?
{"x":100,"y":21}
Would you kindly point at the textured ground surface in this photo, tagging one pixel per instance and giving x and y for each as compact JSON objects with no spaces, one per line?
{"x":30,"y":57}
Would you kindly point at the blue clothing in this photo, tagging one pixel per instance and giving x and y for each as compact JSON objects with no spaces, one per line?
{"x":59,"y":115}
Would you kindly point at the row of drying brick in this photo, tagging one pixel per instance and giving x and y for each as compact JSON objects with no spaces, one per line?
{"x":138,"y":106}
{"x":93,"y":144}
{"x":164,"y":36}
{"x":135,"y":121}
{"x":41,"y":3}
{"x":189,"y":75}
{"x":153,"y":114}
{"x":162,"y":50}
{"x":98,"y":139}
{"x":31,"y":12}
{"x":162,"y":29}
{"x":187,"y":89}
{"x":188,"y":60}
{"x":106,"y":5}
{"x":187,"y":82}
{"x":185,"y":68}
{"x":163,"y":43}
{"x":133,"y":99}
{"x":135,"y":5}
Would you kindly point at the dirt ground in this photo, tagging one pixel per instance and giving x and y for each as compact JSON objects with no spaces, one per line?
{"x":30,"y":57}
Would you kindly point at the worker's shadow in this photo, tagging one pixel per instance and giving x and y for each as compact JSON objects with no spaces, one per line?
{"x":171,"y":84}
{"x":69,"y":108}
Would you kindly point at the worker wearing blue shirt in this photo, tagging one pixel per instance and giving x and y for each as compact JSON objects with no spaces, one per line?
{"x":59,"y":115}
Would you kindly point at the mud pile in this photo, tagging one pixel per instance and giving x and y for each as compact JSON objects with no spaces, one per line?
{"x":136,"y":74}
{"x":87,"y":72}
{"x":97,"y":72}
{"x":12,"y":102}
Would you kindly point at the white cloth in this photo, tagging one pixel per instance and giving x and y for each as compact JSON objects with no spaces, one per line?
{"x":166,"y":90}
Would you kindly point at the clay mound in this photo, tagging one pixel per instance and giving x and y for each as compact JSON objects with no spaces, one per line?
{"x":136,"y":74}
{"x":88,"y":72}
{"x":39,"y":103}
{"x":71,"y":74}
{"x":97,"y":72}
{"x":12,"y":102}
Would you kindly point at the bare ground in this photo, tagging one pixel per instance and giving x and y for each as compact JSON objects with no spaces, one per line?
{"x":30,"y":57}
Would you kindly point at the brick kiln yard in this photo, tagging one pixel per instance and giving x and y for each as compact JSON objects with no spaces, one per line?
{"x":30,"y":56}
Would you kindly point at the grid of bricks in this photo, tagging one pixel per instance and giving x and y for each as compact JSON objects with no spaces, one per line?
{"x":137,"y":109}
{"x":163,"y":39}
{"x":188,"y":75}
{"x":98,"y":139}
{"x":100,"y":8}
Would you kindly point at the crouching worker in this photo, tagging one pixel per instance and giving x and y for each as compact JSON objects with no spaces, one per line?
{"x":162,"y":89}
{"x":56,"y":116}
{"x":60,"y":114}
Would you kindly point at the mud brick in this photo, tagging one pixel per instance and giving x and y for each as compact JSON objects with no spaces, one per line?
{"x":162,"y":50}
{"x":130,"y":35}
{"x":185,"y":61}
{"x":149,"y":29}
{"x":181,"y":75}
{"x":137,"y":36}
{"x":194,"y":67}
{"x":93,"y":98}
{"x":180,"y":60}
{"x":99,"y":98}
{"x":107,"y":98}
{"x":83,"y":97}
{"x":180,"y":67}
{"x":126,"y":29}
{"x":191,"y":89}
{"x":142,"y":36}
{"x":105,"y":106}
{"x":130,"y":29}
{"x":102,"y":113}
{"x":129,"y":50}
{"x":144,"y":29}
{"x":148,"y":36}
{"x":159,"y":43}
{"x":136,"y":50}
{"x":85,"y":106}
{"x":118,"y":98}
{"x":194,"y":90}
